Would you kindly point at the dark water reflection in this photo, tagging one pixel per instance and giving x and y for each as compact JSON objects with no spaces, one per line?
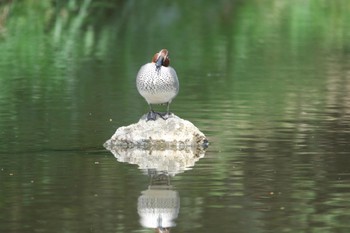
{"x":268,"y":83}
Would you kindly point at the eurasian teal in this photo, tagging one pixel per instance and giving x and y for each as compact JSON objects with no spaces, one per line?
{"x":157,"y":82}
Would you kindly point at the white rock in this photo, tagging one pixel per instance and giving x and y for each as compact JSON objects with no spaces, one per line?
{"x":172,"y":145}
{"x":174,"y":133}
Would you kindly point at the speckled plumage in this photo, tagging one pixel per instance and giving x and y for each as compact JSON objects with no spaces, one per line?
{"x":157,"y":86}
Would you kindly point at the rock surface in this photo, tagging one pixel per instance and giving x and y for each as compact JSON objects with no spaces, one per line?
{"x":173,"y":145}
{"x":173,"y":133}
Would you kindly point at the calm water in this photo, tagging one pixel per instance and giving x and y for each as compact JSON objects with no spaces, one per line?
{"x":268,"y":83}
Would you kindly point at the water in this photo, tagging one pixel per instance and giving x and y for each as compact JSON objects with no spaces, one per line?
{"x":268,"y":83}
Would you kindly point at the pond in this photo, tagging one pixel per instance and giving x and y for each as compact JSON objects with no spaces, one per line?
{"x":268,"y":83}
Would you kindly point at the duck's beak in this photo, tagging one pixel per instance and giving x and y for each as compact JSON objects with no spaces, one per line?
{"x":159,"y":61}
{"x":162,"y":55}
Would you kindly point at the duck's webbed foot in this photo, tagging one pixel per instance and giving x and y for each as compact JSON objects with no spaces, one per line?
{"x":151,"y":116}
{"x":164,"y":115}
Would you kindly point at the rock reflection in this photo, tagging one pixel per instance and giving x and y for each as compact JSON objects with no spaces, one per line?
{"x":159,"y":205}
{"x":171,"y":161}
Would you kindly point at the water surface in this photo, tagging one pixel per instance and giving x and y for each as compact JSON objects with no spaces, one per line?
{"x":268,"y":83}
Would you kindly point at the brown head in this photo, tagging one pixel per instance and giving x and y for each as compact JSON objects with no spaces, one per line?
{"x":161,"y":59}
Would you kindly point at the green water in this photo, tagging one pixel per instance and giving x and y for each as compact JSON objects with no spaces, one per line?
{"x":268,"y":82}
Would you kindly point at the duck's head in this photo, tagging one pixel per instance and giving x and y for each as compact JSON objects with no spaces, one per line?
{"x":161,"y":59}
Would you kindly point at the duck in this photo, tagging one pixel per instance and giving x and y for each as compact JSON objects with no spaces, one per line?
{"x":157,"y":83}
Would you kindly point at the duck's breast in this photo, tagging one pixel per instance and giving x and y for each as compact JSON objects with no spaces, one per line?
{"x":159,"y":86}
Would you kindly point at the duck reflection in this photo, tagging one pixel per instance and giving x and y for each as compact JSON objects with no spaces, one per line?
{"x":159,"y":205}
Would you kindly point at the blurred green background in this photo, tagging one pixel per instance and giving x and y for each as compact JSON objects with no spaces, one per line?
{"x":73,"y":55}
{"x":63,"y":60}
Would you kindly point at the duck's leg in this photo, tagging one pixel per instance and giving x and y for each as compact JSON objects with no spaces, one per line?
{"x":151,"y":115}
{"x":167,"y":113}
